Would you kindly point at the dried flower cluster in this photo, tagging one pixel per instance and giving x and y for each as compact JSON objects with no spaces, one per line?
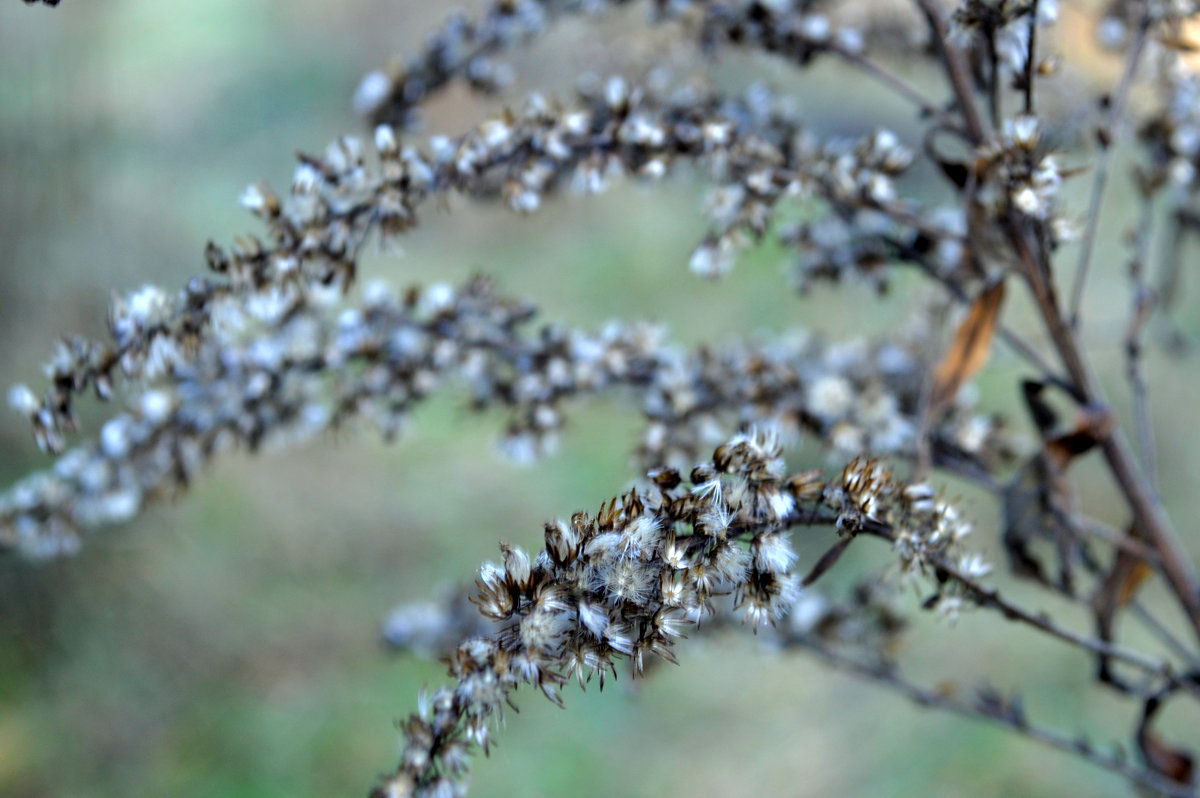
{"x":467,"y":49}
{"x":337,"y":200}
{"x":627,"y":583}
{"x":279,"y":366}
{"x":272,"y":347}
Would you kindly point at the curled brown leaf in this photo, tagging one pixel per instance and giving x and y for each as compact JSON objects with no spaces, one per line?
{"x":971,"y":347}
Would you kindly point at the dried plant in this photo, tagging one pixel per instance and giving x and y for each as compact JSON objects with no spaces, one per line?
{"x":274,"y":346}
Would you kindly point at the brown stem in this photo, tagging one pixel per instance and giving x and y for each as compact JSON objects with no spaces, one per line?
{"x":898,"y":84}
{"x":1144,"y":304}
{"x":1031,"y":58}
{"x":980,"y":709}
{"x":1150,"y":515}
{"x":1102,"y":166}
{"x":990,"y":597}
{"x":1148,"y":511}
{"x":956,"y":71}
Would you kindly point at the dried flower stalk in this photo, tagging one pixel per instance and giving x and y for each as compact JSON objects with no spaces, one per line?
{"x":272,"y":348}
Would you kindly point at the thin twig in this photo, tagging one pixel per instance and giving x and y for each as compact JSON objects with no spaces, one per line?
{"x":1082,"y":525}
{"x":1033,"y":261}
{"x":956,"y":71}
{"x":1031,"y":58}
{"x":981,"y":709}
{"x":901,"y":86}
{"x":1096,"y":529}
{"x":988,"y":596}
{"x":1165,"y":635}
{"x":1144,"y":303}
{"x":1103,"y":162}
{"x":993,"y":78}
{"x":1151,"y":517}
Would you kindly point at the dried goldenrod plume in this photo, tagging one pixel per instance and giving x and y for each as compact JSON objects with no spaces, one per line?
{"x":277,"y":345}
{"x":652,"y":564}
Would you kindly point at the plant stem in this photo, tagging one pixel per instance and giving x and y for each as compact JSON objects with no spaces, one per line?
{"x":889,"y":676}
{"x":1149,"y":513}
{"x":1104,"y":161}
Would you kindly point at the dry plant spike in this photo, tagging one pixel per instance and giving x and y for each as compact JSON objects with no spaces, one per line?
{"x":273,"y":349}
{"x":969,"y":352}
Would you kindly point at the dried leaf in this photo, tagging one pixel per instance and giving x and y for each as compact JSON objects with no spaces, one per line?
{"x":1117,"y":589}
{"x":956,"y":167}
{"x":1173,"y":763}
{"x":1023,"y":515}
{"x":1092,"y":425}
{"x":1179,"y":43}
{"x":1036,"y":503}
{"x":956,"y":172}
{"x":1138,"y":572}
{"x":827,"y":561}
{"x":1039,"y":502}
{"x":970,"y":349}
{"x":1040,"y":411}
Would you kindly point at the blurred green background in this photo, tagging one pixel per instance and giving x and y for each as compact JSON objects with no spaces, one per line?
{"x":228,"y":644}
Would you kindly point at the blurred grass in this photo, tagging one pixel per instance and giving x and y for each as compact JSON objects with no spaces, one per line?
{"x":226,"y":644}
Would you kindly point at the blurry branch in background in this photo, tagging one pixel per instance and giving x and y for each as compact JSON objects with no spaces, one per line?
{"x":273,"y":347}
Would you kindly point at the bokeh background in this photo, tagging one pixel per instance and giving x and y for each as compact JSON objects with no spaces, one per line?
{"x":228,"y":644}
